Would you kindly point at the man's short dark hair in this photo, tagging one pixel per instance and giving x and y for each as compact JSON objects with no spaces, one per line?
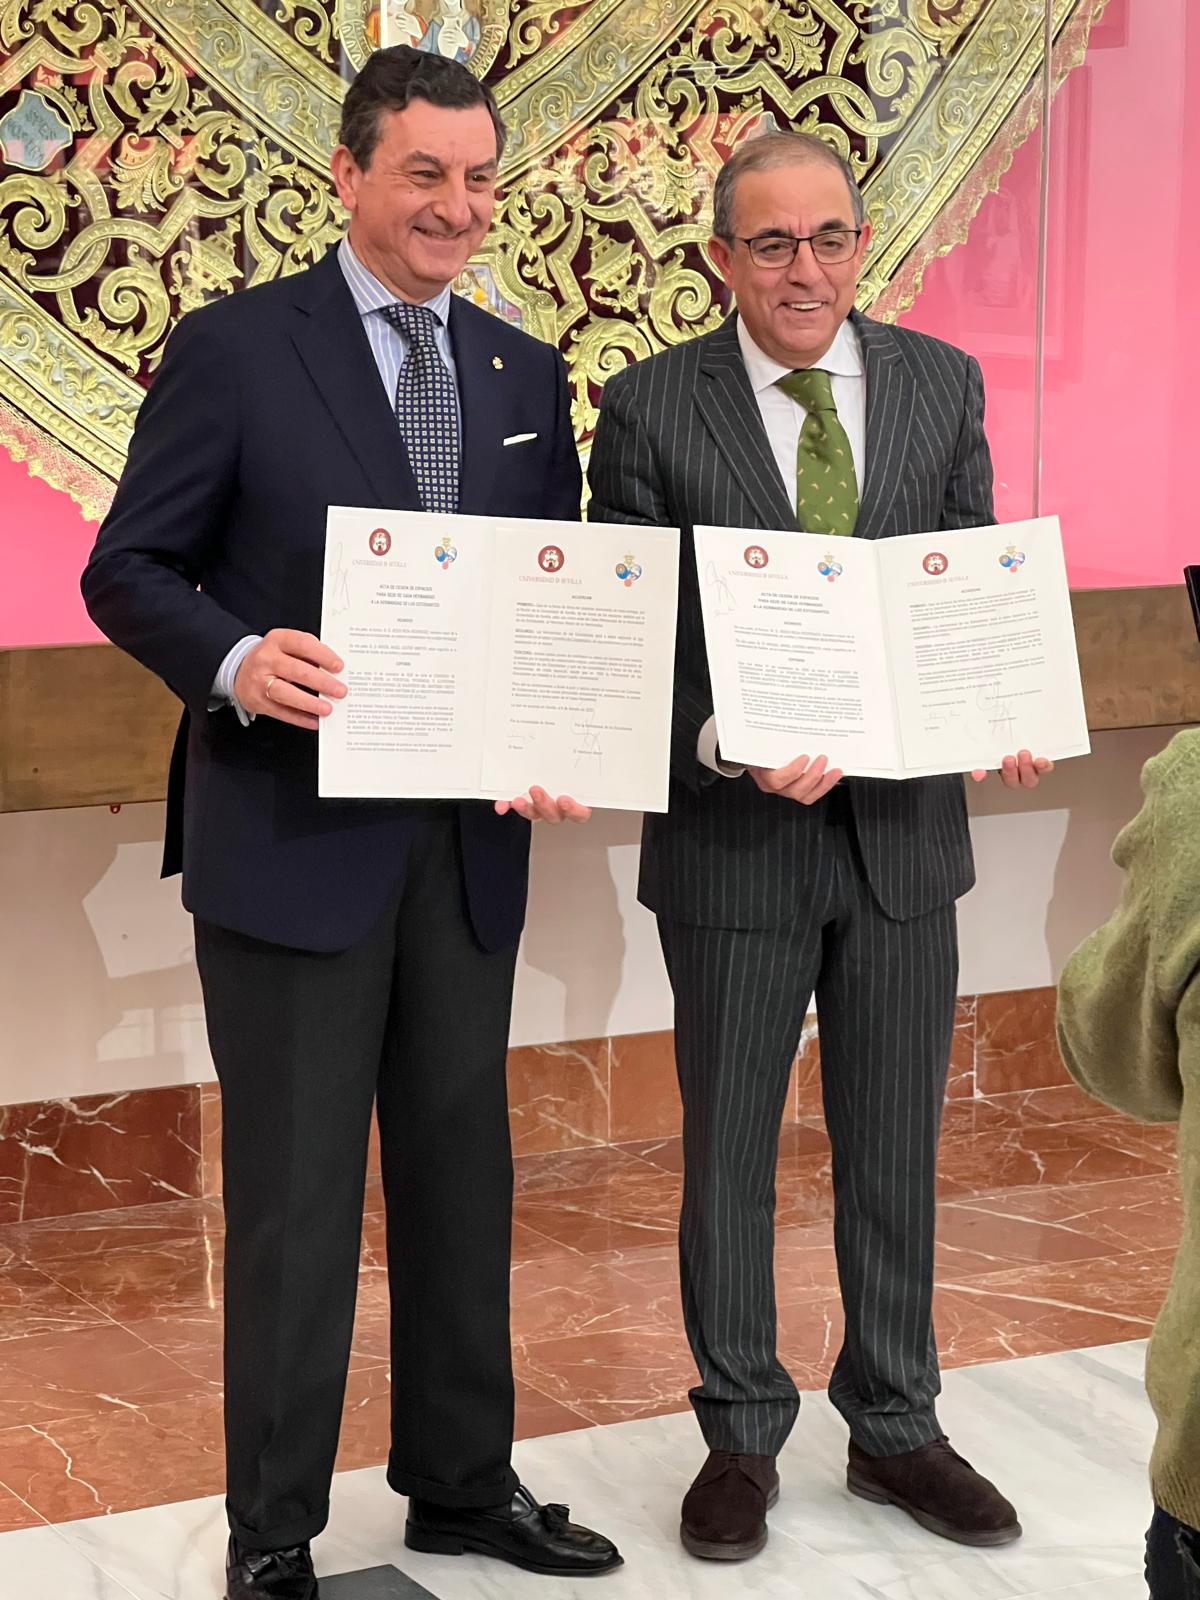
{"x":391,"y":79}
{"x":760,"y":153}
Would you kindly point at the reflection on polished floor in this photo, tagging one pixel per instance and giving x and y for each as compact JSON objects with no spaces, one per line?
{"x":1058,"y":1226}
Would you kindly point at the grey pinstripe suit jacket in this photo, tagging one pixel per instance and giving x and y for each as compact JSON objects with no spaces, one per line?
{"x":680,"y":441}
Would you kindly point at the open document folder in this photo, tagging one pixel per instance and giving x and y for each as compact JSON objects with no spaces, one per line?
{"x":487,"y":654}
{"x":896,"y":658}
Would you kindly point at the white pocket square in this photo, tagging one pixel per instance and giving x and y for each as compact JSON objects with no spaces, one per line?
{"x":520,"y":438}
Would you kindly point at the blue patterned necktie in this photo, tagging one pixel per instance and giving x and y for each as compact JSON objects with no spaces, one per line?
{"x":427,"y":408}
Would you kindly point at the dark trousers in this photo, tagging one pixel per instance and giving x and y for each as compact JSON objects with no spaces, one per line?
{"x":414,"y":1019}
{"x":886,"y":996}
{"x":1172,"y":1559}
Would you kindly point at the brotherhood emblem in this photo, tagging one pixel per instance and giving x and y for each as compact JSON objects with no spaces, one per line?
{"x":381,"y":542}
{"x":935,"y":564}
{"x":830,"y":569}
{"x":629,"y":571}
{"x":1013,"y":559}
{"x":756,"y":557}
{"x":459,"y":30}
{"x":446,"y":554}
{"x":551,"y":558}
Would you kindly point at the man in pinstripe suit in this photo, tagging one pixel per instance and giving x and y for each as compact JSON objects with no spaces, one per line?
{"x":770,"y":885}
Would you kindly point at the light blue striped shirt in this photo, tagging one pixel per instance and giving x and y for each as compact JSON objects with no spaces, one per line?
{"x":389,"y":347}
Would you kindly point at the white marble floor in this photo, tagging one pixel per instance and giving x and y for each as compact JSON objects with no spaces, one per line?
{"x":1068,"y":1436}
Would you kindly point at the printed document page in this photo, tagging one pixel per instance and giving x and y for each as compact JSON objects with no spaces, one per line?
{"x":485,"y":655}
{"x":895,"y":658}
{"x":796,"y":650}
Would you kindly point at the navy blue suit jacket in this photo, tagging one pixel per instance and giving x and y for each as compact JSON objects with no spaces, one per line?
{"x":268,"y":409}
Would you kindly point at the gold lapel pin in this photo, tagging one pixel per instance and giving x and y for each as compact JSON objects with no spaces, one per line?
{"x":498,"y":364}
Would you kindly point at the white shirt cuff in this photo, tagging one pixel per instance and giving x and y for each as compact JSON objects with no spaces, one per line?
{"x":222,"y":690}
{"x":706,"y":752}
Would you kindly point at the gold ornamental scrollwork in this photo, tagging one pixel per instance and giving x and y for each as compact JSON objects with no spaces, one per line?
{"x":158,"y":153}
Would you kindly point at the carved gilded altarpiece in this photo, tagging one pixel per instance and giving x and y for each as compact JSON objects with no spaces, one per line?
{"x":157,"y":153}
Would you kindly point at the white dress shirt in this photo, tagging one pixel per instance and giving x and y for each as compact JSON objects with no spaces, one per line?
{"x":783,"y":419}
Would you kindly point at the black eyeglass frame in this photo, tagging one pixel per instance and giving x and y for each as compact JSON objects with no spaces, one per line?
{"x":796,"y":241}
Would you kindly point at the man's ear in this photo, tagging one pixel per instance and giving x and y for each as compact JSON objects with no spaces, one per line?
{"x":721,"y":252}
{"x":346,"y":175}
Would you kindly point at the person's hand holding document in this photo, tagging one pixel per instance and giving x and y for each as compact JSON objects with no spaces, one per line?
{"x":892,"y":658}
{"x":538,"y":806}
{"x":482,"y":652}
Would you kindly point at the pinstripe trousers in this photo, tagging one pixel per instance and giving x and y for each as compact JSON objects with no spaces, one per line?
{"x":885,"y":996}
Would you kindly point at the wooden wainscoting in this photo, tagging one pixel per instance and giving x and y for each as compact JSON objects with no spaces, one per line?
{"x":84,"y":725}
{"x":1139,"y":657}
{"x":81,"y":725}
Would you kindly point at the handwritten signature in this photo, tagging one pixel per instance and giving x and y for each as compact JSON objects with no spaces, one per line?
{"x":588,"y":736}
{"x":997,"y":710}
{"x":339,"y":588}
{"x":723,"y":601}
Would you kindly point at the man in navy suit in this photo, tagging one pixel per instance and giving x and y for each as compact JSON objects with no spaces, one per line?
{"x":352,"y":954}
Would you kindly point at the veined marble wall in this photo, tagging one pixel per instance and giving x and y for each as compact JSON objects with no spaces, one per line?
{"x":96,"y":1152}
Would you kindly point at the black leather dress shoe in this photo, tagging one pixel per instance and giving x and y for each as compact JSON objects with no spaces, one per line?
{"x":269,"y":1574}
{"x":538,"y":1538}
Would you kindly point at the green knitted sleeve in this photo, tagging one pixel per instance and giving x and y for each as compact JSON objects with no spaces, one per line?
{"x":1120,"y":991}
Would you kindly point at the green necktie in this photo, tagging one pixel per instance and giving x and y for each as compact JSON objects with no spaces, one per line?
{"x":826,"y":488}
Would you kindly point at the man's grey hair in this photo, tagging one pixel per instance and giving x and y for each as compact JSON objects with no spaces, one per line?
{"x":777,"y":150}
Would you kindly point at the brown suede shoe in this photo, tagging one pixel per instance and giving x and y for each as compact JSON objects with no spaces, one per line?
{"x":939,"y":1490}
{"x":725,"y":1510}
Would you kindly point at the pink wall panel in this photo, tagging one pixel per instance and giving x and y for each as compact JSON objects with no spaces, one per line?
{"x":44,"y":542}
{"x":983,"y":297}
{"x":1121,"y":348}
{"x":1119,"y":433}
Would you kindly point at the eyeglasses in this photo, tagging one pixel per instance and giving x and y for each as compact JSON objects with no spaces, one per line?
{"x":779,"y":249}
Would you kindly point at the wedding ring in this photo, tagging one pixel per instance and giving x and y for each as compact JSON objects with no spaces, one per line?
{"x":267,"y":690}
